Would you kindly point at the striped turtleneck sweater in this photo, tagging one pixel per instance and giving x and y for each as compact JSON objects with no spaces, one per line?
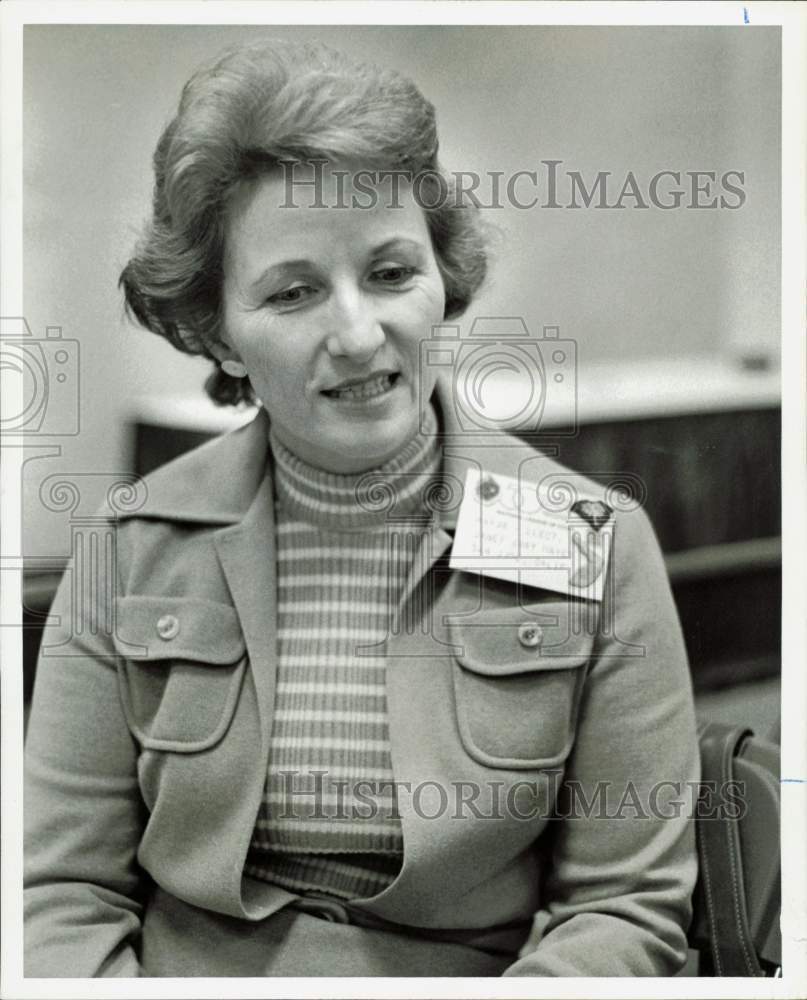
{"x":328,"y":821}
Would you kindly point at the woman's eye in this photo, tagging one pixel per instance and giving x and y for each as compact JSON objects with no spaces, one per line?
{"x":291,"y":296}
{"x":395,"y":274}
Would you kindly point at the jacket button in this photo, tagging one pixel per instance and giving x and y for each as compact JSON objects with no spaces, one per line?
{"x":167,"y":627}
{"x":530,"y":635}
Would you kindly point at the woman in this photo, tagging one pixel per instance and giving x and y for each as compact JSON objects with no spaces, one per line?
{"x":318,"y":746}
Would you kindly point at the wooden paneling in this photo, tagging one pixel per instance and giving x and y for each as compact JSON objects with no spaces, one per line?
{"x":710,"y":477}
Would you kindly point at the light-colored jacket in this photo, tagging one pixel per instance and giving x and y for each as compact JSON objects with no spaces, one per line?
{"x":148,"y":743}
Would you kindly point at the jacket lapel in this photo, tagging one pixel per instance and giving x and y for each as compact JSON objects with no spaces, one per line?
{"x":248,"y":558}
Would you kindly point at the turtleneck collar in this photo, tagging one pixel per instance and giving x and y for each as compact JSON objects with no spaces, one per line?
{"x":399,"y":488}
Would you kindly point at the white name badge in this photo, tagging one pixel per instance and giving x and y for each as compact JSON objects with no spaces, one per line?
{"x":514,"y":531}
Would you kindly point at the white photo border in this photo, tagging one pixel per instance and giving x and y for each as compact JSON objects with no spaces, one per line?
{"x":14,"y":15}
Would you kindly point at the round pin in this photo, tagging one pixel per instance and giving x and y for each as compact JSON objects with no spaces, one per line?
{"x":167,"y":626}
{"x":487,"y":489}
{"x":530,"y":635}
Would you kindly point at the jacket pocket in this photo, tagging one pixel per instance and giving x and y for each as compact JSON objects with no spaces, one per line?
{"x":183,"y":662}
{"x":517,"y":683}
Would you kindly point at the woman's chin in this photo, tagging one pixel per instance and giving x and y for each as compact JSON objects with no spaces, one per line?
{"x":366,"y":433}
{"x":356,"y":448}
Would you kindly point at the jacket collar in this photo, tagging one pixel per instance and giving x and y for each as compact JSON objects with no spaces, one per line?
{"x":217,"y":483}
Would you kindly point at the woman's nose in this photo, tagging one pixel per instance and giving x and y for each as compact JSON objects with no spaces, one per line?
{"x":356,"y":330}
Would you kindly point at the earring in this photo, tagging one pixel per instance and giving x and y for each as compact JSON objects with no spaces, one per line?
{"x":234,"y":368}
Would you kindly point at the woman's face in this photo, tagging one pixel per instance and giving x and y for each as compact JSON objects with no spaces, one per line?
{"x":326,"y":308}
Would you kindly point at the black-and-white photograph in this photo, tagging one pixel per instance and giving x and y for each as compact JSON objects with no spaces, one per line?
{"x":397,"y":426}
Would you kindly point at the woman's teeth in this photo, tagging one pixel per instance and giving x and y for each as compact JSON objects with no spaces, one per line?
{"x":364,"y":390}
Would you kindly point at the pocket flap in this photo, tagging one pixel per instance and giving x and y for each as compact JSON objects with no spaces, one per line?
{"x":506,"y":641}
{"x":177,"y":628}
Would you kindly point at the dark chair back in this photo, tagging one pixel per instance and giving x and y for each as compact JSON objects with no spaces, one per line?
{"x":735,"y":927}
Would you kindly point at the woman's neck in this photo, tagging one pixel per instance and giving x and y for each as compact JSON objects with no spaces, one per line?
{"x":357,"y":501}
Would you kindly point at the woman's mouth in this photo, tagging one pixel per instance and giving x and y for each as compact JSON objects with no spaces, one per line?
{"x":361,"y":391}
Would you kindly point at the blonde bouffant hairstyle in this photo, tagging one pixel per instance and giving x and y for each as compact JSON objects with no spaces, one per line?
{"x":257,"y":106}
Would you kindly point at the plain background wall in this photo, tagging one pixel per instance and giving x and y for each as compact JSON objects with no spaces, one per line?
{"x":623,"y":284}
